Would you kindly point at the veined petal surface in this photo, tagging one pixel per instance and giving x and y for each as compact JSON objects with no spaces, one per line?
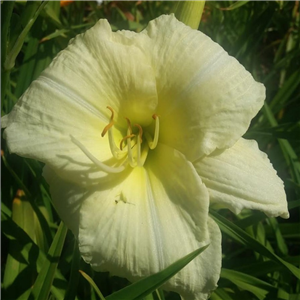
{"x":66,"y":197}
{"x":145,"y":222}
{"x":243,"y":177}
{"x":206,"y":97}
{"x":97,"y":69}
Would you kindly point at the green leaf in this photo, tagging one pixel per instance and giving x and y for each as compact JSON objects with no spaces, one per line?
{"x":16,"y":48}
{"x":23,"y":216}
{"x":294,"y":204}
{"x":220,"y":294}
{"x":245,"y":239}
{"x":147,"y":285}
{"x":26,"y":251}
{"x":52,"y":13}
{"x":288,"y":151}
{"x":160,"y":294}
{"x":43,"y":222}
{"x":74,"y":277}
{"x":251,"y":220}
{"x":249,"y":283}
{"x":20,"y":20}
{"x":285,"y":92}
{"x":43,"y":283}
{"x":6,"y":14}
{"x":279,"y":238}
{"x":92,"y":283}
{"x":235,"y":5}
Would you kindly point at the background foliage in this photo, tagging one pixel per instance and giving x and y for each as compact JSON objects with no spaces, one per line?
{"x":40,"y":258}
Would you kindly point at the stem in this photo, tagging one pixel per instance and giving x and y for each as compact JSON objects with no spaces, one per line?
{"x":189,"y":12}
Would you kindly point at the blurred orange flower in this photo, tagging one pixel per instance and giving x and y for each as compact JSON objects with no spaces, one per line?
{"x":65,"y":2}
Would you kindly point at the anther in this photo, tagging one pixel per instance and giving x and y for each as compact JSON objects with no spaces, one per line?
{"x":110,"y":124}
{"x":125,"y":138}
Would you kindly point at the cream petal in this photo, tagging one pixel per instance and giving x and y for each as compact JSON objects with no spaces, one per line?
{"x":151,"y":219}
{"x":43,"y":131}
{"x":96,"y":70}
{"x":243,"y":177}
{"x":66,"y":198}
{"x":107,"y":68}
{"x":204,"y":94}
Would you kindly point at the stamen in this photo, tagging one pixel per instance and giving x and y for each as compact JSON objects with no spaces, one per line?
{"x":129,"y":125}
{"x":116,"y":152}
{"x":140,"y":131}
{"x":101,"y":165}
{"x":125,"y":138}
{"x":110,"y":124}
{"x":131,"y":160}
{"x":153,"y":142}
{"x":138,"y":159}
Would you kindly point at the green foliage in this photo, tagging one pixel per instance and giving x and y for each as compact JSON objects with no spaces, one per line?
{"x":260,"y":254}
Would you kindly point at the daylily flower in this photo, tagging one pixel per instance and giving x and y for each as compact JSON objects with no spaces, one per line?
{"x":139,"y":133}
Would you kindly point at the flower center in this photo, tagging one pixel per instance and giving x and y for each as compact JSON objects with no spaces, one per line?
{"x":132,"y":150}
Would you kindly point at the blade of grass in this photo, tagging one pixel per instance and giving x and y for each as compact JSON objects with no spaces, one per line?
{"x":147,"y":285}
{"x":245,"y":239}
{"x":160,"y":294}
{"x":40,"y":216}
{"x":15,"y":263}
{"x":260,"y":268}
{"x":288,"y":151}
{"x":249,"y":283}
{"x":31,"y":254}
{"x":251,"y":220}
{"x":93,"y":284}
{"x":16,"y":48}
{"x":282,"y":247}
{"x":6,"y":12}
{"x":285,"y":92}
{"x":235,"y":5}
{"x":221,"y":294}
{"x":74,"y":277}
{"x":21,"y":19}
{"x":43,"y":283}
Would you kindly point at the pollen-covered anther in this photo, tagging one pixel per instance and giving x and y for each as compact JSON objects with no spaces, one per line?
{"x":110,"y":124}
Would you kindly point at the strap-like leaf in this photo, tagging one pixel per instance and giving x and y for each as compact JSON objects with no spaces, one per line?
{"x":147,"y":285}
{"x":244,"y":238}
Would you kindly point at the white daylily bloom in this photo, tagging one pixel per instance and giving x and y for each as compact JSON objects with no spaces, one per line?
{"x":171,"y":106}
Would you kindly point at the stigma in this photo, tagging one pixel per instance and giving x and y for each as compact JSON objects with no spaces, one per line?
{"x":131,"y":150}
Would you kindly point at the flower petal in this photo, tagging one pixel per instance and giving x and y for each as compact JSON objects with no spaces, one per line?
{"x":66,"y":198}
{"x":98,"y":69}
{"x":140,"y":225}
{"x":204,"y":94}
{"x":243,"y":177}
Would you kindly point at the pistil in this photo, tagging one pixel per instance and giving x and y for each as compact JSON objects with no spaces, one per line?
{"x":101,"y":165}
